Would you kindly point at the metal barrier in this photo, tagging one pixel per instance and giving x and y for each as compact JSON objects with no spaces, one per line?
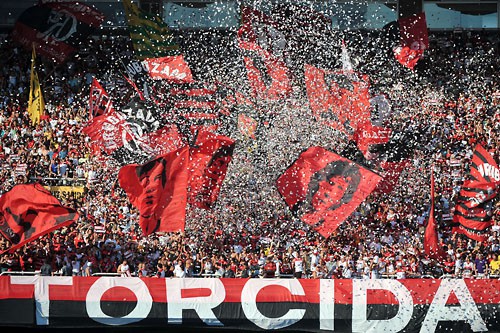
{"x":106,"y":274}
{"x":7,"y":273}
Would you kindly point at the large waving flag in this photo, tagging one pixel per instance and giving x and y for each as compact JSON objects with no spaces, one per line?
{"x":29,"y":211}
{"x":158,"y":188}
{"x":414,"y":40}
{"x":323,"y":188}
{"x":474,"y":207}
{"x":36,"y":104}
{"x":134,"y":134}
{"x":260,"y":40}
{"x":338,"y":99}
{"x":56,"y":29}
{"x":209,"y":160}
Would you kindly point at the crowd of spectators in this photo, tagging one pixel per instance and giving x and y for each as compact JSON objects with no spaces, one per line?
{"x":454,"y":91}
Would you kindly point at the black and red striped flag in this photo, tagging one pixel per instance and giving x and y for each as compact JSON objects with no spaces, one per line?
{"x":474,"y":207}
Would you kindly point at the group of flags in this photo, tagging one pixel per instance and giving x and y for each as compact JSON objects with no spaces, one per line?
{"x":170,"y":153}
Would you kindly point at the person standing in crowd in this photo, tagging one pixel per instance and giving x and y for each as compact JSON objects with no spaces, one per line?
{"x":481,"y":266}
{"x":269,"y":268}
{"x":46,"y":269}
{"x":124,"y":269}
{"x":298,"y":265}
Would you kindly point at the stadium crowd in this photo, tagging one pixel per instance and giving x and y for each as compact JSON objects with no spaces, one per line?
{"x":454,"y":92}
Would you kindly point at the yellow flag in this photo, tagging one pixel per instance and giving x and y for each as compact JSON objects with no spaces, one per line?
{"x":36,"y":104}
{"x":150,"y":35}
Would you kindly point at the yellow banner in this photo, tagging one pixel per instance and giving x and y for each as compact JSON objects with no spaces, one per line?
{"x":67,"y":192}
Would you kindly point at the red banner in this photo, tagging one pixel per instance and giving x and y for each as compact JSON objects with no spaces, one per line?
{"x":312,"y":305}
{"x":414,"y":40}
{"x":99,"y":102}
{"x":340,"y":100}
{"x":30,"y":211}
{"x":208,"y":164}
{"x":172,"y":68}
{"x":109,"y":131}
{"x":324,"y":188}
{"x":474,"y":209}
{"x":56,"y":29}
{"x":158,"y":189}
{"x":259,"y":37}
{"x":391,"y":173}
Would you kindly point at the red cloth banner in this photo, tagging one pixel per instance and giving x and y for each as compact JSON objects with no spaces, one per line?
{"x":99,"y":102}
{"x":171,"y":68}
{"x":337,"y":99}
{"x":29,"y":211}
{"x":208,"y":163}
{"x":324,"y":188}
{"x":158,"y":189}
{"x":260,"y":38}
{"x":474,"y":208}
{"x":414,"y":40}
{"x":109,"y":131}
{"x":305,"y":305}
{"x":56,"y":29}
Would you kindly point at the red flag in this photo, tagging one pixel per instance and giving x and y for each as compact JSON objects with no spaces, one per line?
{"x":367,"y":135}
{"x":209,"y":161}
{"x":158,"y":189}
{"x":324,"y":188}
{"x":29,"y":211}
{"x":414,"y":40}
{"x":110,"y":131}
{"x":431,"y":243}
{"x":391,"y":173}
{"x":56,"y":29}
{"x":172,"y":68}
{"x":267,"y":73}
{"x":99,"y":102}
{"x":340,"y":100}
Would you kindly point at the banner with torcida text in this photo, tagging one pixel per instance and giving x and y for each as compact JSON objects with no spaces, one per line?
{"x":359,"y":305}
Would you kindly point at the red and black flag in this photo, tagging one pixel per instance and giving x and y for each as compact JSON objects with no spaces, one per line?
{"x":323,"y":188}
{"x":198,"y":106}
{"x":108,"y":131}
{"x":158,"y":189}
{"x":149,"y":133}
{"x":262,"y":44}
{"x":208,"y":163}
{"x":395,"y":156}
{"x":56,"y":29}
{"x":29,"y":211}
{"x":414,"y":40}
{"x":338,"y":99}
{"x":474,"y":208}
{"x":99,"y":101}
